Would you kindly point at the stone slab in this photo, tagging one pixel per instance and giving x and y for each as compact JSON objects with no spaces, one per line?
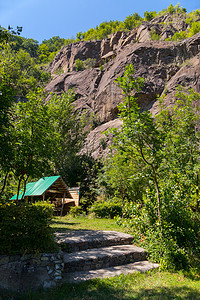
{"x":76,"y":240}
{"x":141,"y":266}
{"x":102,"y":257}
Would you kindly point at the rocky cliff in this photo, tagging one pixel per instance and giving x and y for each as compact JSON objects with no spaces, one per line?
{"x":164,"y":65}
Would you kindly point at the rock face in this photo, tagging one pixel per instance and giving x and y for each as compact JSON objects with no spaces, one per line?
{"x":164,"y":65}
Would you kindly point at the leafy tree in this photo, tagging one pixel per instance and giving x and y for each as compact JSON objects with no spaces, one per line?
{"x":132,"y":21}
{"x":49,"y":48}
{"x":44,"y":53}
{"x":178,"y":36}
{"x":90,"y":34}
{"x":79,"y":36}
{"x":193,"y":16}
{"x":139,"y":135}
{"x":182,"y":139}
{"x":7,"y":94}
{"x":68,"y":125}
{"x":149,"y":15}
{"x":180,"y":9}
{"x":22,"y":72}
{"x":171,"y":9}
{"x":69,"y":41}
{"x":75,"y":168}
{"x":54,"y":44}
{"x":121,"y":178}
{"x":44,"y":137}
{"x":165,"y":151}
{"x":28,"y":45}
{"x":33,"y":139}
{"x":194,"y":29}
{"x":5,"y":34}
{"x":88,"y":174}
{"x":6,"y":101}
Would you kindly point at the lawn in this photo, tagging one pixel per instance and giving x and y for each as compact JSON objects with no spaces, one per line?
{"x":77,"y":223}
{"x":151,"y":285}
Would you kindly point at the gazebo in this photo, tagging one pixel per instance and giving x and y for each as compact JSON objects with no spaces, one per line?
{"x":51,"y":188}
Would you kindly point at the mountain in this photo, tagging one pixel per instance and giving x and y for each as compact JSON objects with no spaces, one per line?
{"x":164,"y":64}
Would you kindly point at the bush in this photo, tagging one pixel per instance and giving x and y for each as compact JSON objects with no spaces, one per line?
{"x":154,"y":36}
{"x":178,"y":36}
{"x":149,"y":15}
{"x":76,"y":211}
{"x":89,"y":63}
{"x":171,"y":9}
{"x":106,"y":209}
{"x":175,"y":244}
{"x":25,"y":228}
{"x":194,"y":29}
{"x":79,"y":65}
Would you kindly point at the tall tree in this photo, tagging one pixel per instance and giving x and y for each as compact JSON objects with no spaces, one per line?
{"x":139,"y":136}
{"x":69,"y":126}
{"x":33,"y":138}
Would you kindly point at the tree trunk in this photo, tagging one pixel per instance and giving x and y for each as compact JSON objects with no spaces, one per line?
{"x":156,"y":185}
{"x":197,"y":192}
{"x":18,"y":188}
{"x":4,"y":183}
{"x":25,"y":181}
{"x":158,"y":195}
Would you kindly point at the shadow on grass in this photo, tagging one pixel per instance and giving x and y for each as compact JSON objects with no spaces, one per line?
{"x":66,"y":224}
{"x":101,"y":290}
{"x":63,"y":223}
{"x":61,"y":230}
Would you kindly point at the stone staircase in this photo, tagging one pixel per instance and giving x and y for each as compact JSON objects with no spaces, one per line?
{"x":92,"y":254}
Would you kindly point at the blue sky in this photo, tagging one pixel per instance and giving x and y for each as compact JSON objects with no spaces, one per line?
{"x":42,"y":19}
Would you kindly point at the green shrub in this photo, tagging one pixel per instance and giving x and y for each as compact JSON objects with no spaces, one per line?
{"x":59,"y":71}
{"x":89,"y":63}
{"x":76,"y":211}
{"x":25,"y":228}
{"x":178,"y":36}
{"x":106,"y":209}
{"x":171,"y":9}
{"x":154,"y":36}
{"x":194,"y":29}
{"x":161,"y":247}
{"x":79,"y":65}
{"x":175,"y":243}
{"x":149,"y":15}
{"x":101,"y":68}
{"x":193,"y":16}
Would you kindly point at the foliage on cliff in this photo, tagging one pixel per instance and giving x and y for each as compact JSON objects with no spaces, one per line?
{"x":132,"y":21}
{"x":46,"y":51}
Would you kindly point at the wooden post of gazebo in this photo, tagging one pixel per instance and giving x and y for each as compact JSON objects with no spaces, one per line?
{"x":63,"y":202}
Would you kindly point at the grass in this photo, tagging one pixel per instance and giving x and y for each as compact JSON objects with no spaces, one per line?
{"x":82,"y":222}
{"x":151,"y":285}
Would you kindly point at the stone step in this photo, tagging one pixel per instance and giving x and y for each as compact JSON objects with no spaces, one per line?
{"x":77,"y":240}
{"x":140,"y":266}
{"x":99,"y":258}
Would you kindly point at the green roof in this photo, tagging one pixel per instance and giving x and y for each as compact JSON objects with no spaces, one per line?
{"x":37,"y":188}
